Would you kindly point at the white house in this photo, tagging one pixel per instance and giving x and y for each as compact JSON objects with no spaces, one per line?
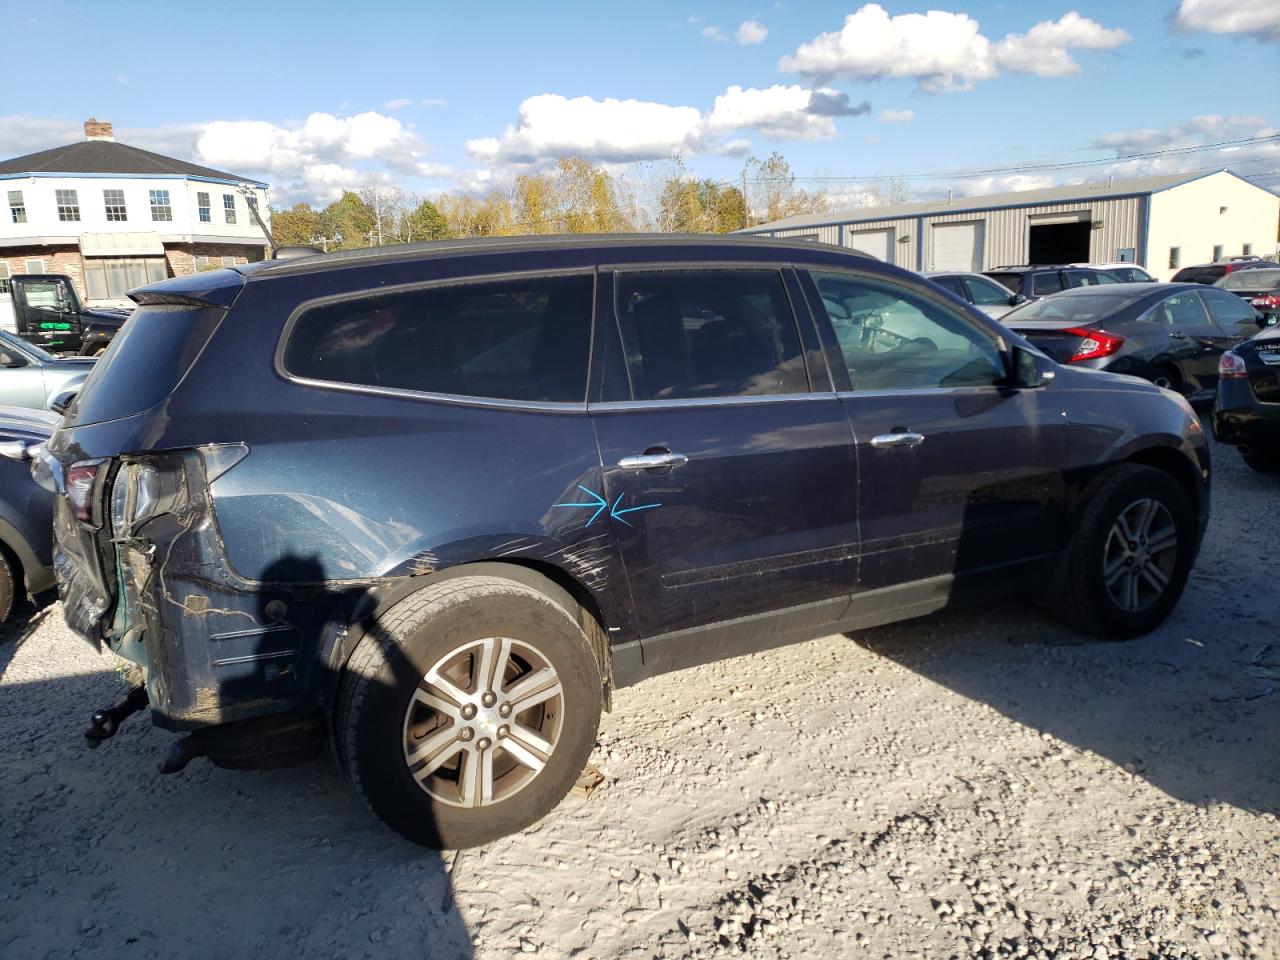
{"x":1160,"y":222}
{"x":113,"y":217}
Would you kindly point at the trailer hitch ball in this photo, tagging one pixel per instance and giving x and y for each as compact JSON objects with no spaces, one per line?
{"x":104,"y":724}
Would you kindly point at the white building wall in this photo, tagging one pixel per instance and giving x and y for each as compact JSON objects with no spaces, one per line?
{"x":43,"y":225}
{"x":1218,"y":209}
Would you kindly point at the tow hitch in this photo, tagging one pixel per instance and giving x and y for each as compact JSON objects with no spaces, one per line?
{"x":104,"y":723}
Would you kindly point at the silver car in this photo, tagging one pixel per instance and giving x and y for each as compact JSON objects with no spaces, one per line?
{"x":985,"y":294}
{"x":31,"y":377}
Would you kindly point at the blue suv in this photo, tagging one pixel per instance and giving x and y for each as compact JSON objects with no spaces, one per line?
{"x":432,"y":504}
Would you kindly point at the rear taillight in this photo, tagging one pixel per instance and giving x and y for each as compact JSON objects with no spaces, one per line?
{"x":82,"y":479}
{"x":1231,"y":367}
{"x":1096,"y":343}
{"x":1266,"y":300}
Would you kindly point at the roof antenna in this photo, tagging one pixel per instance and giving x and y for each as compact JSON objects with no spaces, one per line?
{"x":251,"y":201}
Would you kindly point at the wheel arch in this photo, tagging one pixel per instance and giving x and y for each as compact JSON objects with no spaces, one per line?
{"x":1175,"y":463}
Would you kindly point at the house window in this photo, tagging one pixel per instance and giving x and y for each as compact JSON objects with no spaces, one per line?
{"x":1175,"y":258}
{"x":1217,"y":252}
{"x":111,"y":278}
{"x":4,"y":278}
{"x":113,"y":200}
{"x":160,"y":207}
{"x":68,"y":205}
{"x":1247,"y":250}
{"x":229,"y":206}
{"x":202,"y":206}
{"x":34,"y":266}
{"x":17,"y":206}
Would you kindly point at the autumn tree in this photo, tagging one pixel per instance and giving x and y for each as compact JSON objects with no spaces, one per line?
{"x":423,"y":222}
{"x":348,"y":222}
{"x":299,"y":225}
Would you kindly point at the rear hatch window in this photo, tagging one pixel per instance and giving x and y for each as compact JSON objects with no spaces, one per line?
{"x":146,"y":360}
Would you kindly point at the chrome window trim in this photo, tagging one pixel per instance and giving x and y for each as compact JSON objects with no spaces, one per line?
{"x":532,"y":406}
{"x":925,"y":391}
{"x":632,"y":406}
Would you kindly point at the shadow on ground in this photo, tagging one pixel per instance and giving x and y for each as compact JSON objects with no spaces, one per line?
{"x":1194,"y":709}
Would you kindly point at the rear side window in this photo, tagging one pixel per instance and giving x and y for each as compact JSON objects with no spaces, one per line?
{"x":1227,"y":309}
{"x":525,"y":339}
{"x":709,"y":333}
{"x":951,"y":284}
{"x":1011,"y":280}
{"x":1043,"y":284}
{"x":151,"y":353}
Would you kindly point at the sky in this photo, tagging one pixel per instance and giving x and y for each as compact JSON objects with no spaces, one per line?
{"x":970,"y":96}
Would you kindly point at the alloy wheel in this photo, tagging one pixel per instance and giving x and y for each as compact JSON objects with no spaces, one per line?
{"x":1140,"y":555}
{"x":483,"y":722}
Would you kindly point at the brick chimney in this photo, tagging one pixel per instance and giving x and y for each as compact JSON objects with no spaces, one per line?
{"x":95,"y":129}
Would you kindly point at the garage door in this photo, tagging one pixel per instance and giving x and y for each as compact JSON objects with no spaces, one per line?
{"x":878,"y":243}
{"x":957,"y":246}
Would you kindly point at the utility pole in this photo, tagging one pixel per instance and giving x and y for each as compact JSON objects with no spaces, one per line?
{"x":746,"y":204}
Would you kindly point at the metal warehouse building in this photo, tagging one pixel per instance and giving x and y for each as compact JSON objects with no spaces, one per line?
{"x":1161,"y":222}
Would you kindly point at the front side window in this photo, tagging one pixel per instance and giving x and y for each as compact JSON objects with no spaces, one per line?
{"x":17,"y":207}
{"x":68,"y":205}
{"x":893,"y":338}
{"x":986,"y":293}
{"x":229,"y":207}
{"x":709,"y":333}
{"x":43,"y":295}
{"x":113,"y":202}
{"x":1043,"y":284}
{"x":525,"y":340}
{"x":1226,"y":309}
{"x":202,"y":207}
{"x":161,"y":209}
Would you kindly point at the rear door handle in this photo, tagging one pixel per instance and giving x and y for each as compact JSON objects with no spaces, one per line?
{"x":1177,"y":335}
{"x":903,"y":438}
{"x":652,"y":461}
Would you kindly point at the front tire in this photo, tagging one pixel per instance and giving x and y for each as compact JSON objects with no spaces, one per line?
{"x":1135,"y":543}
{"x":1263,"y":461}
{"x":8,"y":588}
{"x":469,"y":712}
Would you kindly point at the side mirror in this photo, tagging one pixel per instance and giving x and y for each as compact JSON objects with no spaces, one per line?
{"x":1016,"y":299}
{"x":63,"y":400}
{"x":8,"y":359}
{"x":1031,"y":370}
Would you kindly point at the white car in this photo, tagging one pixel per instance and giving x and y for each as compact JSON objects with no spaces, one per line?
{"x":1122,"y":270}
{"x":993,"y":299}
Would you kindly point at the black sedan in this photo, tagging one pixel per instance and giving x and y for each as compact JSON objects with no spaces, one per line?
{"x":1169,"y":333}
{"x":1260,"y":287}
{"x":1247,"y":411}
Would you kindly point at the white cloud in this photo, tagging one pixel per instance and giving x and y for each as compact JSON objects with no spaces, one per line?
{"x":751,"y":32}
{"x":121,"y":79}
{"x":434,"y":102}
{"x":1257,"y":18}
{"x":896,"y":116}
{"x":714,"y":34}
{"x":782,"y":113}
{"x":1043,"y":50}
{"x":943,"y":52}
{"x":397,"y":104}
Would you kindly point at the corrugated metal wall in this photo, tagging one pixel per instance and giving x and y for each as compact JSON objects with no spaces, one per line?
{"x":1006,"y":231}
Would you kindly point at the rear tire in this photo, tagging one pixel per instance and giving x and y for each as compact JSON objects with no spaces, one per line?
{"x":1264,"y":461}
{"x":1134,"y":545}
{"x":8,"y":588}
{"x":1169,"y":377}
{"x":441,"y":755}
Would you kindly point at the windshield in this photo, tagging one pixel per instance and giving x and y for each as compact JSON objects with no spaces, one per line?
{"x":1255,"y":279}
{"x":17,"y":343}
{"x":1074,"y":309}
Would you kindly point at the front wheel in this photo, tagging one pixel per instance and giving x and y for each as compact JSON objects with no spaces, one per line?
{"x":469,"y":713}
{"x":1132,"y":553}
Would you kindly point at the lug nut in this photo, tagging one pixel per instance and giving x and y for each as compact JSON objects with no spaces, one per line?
{"x":466,"y":733}
{"x":503,"y":731}
{"x":468,"y":711}
{"x":483,"y":743}
{"x":504,"y":710}
{"x":488,"y":699}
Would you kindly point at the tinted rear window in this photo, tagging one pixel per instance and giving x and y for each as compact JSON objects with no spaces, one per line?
{"x":1011,"y":280}
{"x":524,"y":339}
{"x":151,"y":353}
{"x":1256,"y":279}
{"x":1076,"y":308}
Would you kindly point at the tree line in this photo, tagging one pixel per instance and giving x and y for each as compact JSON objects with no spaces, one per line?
{"x":573,"y":197}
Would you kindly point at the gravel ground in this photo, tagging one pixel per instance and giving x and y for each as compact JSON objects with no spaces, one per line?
{"x":978,"y":783}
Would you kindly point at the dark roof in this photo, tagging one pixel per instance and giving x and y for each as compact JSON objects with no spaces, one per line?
{"x":484,"y":245}
{"x":107,"y":156}
{"x":1125,"y":291}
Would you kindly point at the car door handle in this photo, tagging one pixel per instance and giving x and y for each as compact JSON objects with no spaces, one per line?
{"x":903,"y":438}
{"x":1177,"y":335}
{"x":652,"y":461}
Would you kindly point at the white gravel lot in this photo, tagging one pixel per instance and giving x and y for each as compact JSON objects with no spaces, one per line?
{"x":979,"y":783}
